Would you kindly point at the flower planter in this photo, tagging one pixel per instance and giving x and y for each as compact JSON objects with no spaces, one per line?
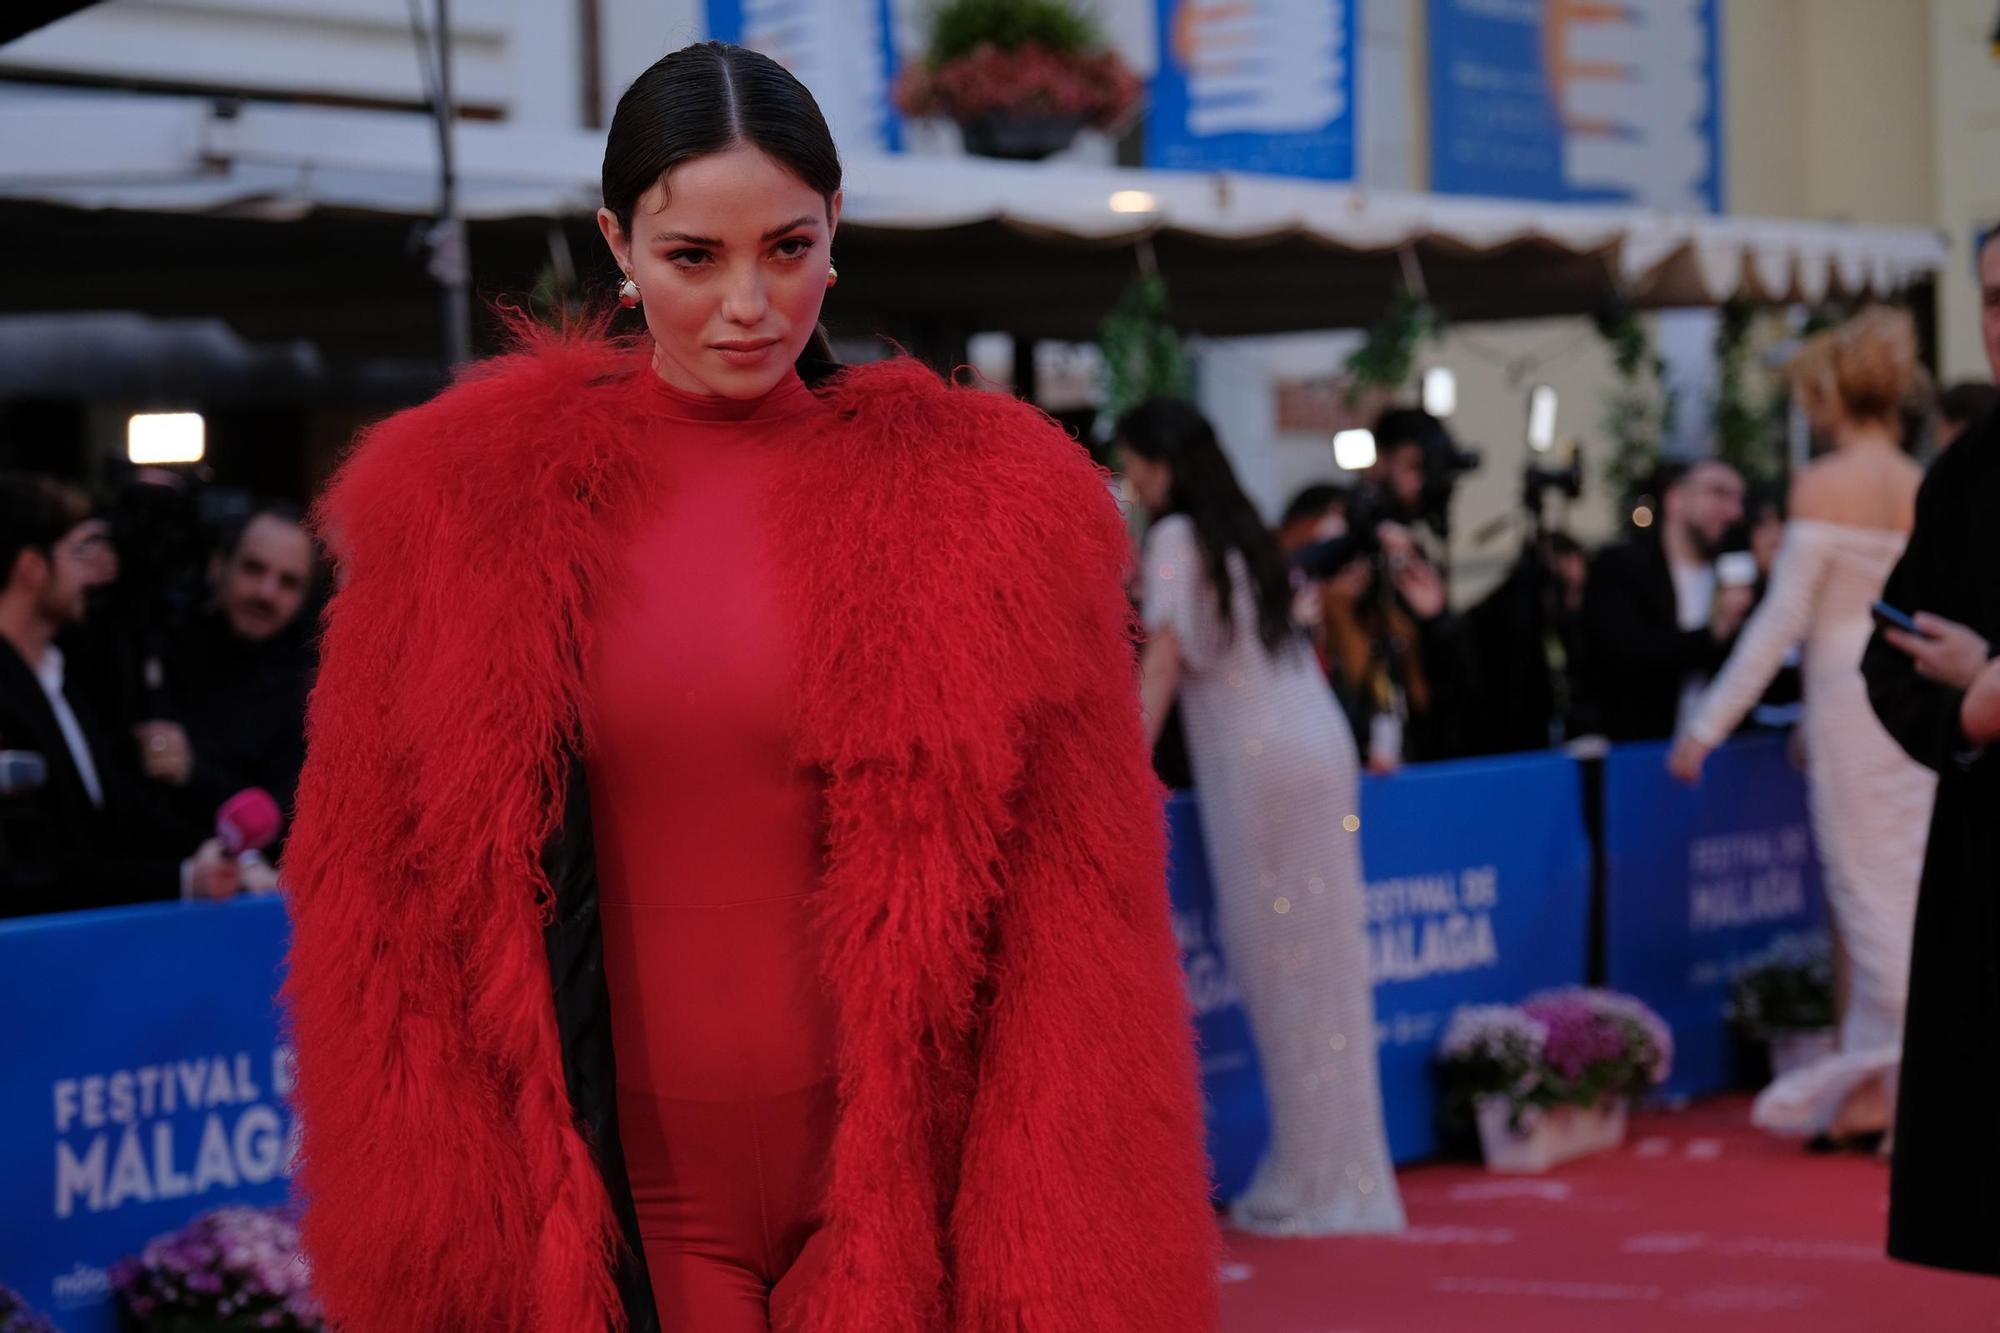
{"x":1556,"y":1135}
{"x":1019,"y":138}
{"x":1795,"y":1050}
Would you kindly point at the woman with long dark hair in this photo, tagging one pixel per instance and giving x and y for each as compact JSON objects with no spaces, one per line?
{"x":1274,"y":763}
{"x":727,"y":885}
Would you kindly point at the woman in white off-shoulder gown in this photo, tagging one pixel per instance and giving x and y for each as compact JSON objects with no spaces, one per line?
{"x":1275,"y":764}
{"x":1851,"y":513}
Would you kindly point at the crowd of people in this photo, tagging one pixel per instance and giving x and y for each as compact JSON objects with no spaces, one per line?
{"x":856,"y":929}
{"x":1862,"y":606}
{"x":150,"y":670}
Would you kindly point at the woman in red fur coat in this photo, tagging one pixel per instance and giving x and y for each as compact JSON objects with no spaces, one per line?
{"x":727,"y":884}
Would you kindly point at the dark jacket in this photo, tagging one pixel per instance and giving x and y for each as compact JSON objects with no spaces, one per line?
{"x":1440,"y":730}
{"x":243,"y":706}
{"x":1637,"y":658}
{"x":1944,"y":1196}
{"x":58,"y":851}
{"x":1528,"y":648}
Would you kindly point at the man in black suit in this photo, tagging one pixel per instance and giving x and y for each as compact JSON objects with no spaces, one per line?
{"x":1655,"y":625}
{"x":1938,"y":693}
{"x":235,"y":680}
{"x":89,"y":835}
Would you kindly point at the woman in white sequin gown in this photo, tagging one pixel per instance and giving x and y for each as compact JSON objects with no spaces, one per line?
{"x":1851,"y":513}
{"x":1275,"y":766}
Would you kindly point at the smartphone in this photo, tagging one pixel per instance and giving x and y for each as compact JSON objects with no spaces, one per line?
{"x":1888,"y":617}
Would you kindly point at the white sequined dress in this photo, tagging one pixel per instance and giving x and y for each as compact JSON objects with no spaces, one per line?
{"x":1275,"y":768}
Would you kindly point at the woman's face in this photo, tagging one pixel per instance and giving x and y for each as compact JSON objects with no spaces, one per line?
{"x":1151,"y":482}
{"x":731,"y":253}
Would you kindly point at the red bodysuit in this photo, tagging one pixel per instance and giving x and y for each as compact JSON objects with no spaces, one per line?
{"x":709,"y":840}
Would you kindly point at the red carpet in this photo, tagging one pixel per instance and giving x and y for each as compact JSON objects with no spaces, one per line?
{"x":1700,"y":1223}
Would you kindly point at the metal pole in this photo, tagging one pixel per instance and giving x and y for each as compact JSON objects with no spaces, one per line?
{"x":450,"y":264}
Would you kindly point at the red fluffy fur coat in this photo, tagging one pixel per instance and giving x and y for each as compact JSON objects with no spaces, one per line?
{"x":1018,"y":1149}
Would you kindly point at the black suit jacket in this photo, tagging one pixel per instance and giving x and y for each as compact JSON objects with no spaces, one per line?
{"x":1944,"y":1191}
{"x":59,"y":851}
{"x":1637,"y":656}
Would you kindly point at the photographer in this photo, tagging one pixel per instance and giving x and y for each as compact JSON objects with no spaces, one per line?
{"x":235,"y":680}
{"x":1398,"y":659}
{"x":82,"y":831}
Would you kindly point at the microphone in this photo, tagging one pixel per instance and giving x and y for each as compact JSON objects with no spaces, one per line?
{"x":22,"y":771}
{"x":248,"y":821}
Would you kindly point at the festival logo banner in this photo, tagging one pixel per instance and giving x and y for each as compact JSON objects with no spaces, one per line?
{"x":1478,"y":892}
{"x":843,"y":50}
{"x":1579,"y":101}
{"x":145,"y":1084}
{"x":1700,"y":880}
{"x":1255,"y":85}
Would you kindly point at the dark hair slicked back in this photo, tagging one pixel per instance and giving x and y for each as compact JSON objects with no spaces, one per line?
{"x":708,"y":98}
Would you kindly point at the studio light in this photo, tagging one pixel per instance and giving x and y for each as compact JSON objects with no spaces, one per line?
{"x":166,"y":437}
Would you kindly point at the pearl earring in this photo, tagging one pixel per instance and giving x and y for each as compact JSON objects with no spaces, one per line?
{"x":628,"y":294}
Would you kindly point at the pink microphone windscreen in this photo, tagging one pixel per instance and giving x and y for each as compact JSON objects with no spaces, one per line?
{"x":248,"y":821}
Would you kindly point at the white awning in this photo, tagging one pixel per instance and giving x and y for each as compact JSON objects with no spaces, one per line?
{"x":187,"y":155}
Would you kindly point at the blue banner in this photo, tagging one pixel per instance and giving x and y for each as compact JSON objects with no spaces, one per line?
{"x":1545,"y":99}
{"x":844,"y":51}
{"x":1478,"y":892}
{"x":1261,"y":85}
{"x":144,"y":1084}
{"x":1696,"y":880}
{"x":1232,"y":1087}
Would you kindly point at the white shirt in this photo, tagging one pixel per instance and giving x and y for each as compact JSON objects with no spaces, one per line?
{"x":50,"y":674}
{"x":1694,"y":601}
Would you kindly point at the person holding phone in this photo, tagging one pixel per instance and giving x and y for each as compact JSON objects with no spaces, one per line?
{"x":1937,"y":690}
{"x":1851,"y":513}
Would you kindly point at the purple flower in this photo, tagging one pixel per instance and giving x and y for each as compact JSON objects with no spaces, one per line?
{"x":232,"y":1268}
{"x":16,"y":1316}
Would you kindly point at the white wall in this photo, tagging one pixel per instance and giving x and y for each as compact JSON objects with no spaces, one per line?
{"x":1965,"y":114}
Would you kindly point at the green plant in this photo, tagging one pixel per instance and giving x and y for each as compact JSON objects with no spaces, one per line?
{"x":960,"y":27}
{"x":1788,"y":988}
{"x":1388,"y":354}
{"x":1743,"y":438}
{"x":1641,"y":409}
{"x":1143,"y":355}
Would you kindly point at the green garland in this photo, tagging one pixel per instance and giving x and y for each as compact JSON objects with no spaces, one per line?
{"x":960,"y":27}
{"x":1388,"y":354}
{"x":1641,"y":410}
{"x":1742,"y":435}
{"x":1143,"y":355}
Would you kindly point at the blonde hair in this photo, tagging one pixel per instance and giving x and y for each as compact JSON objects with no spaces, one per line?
{"x":1875,"y":363}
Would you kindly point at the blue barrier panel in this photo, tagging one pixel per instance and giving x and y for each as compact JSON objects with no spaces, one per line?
{"x":1478,"y":892}
{"x":1231,"y":1084}
{"x":1697,"y":879}
{"x":144,"y":1084}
